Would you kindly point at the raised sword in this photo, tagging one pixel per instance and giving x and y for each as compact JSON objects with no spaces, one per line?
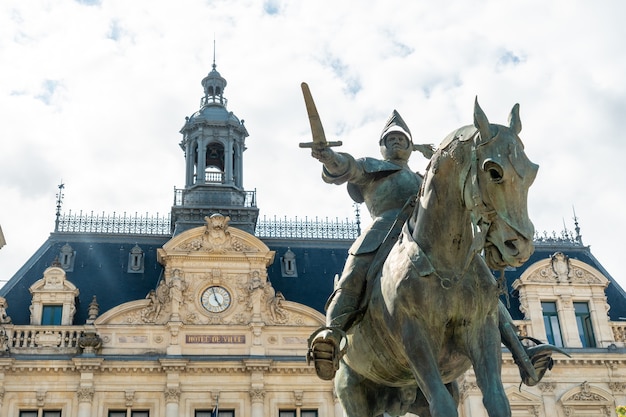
{"x":319,"y":138}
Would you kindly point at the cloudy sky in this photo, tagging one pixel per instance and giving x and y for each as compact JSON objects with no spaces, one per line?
{"x":93,"y":94}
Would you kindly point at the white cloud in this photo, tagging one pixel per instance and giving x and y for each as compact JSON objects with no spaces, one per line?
{"x":94,"y":93}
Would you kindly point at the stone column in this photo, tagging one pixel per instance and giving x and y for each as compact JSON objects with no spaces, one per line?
{"x":172,"y":396}
{"x":257,"y":369}
{"x":189,"y":162}
{"x":85,"y":401}
{"x":172,"y":368}
{"x":228,"y":163}
{"x":87,"y":366}
{"x":257,"y":397}
{"x":619,"y":392}
{"x":201,"y":165}
{"x":549,"y":400}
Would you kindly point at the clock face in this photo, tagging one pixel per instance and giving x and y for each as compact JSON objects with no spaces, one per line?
{"x":215,"y":299}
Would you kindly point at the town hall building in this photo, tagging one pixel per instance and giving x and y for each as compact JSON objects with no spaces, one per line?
{"x":207,"y":312}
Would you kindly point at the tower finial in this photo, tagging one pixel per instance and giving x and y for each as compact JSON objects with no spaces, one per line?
{"x":579,"y":237}
{"x":59,"y":196}
{"x":214,"y":51}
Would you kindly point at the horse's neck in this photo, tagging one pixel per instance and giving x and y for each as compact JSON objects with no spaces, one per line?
{"x":442,"y":226}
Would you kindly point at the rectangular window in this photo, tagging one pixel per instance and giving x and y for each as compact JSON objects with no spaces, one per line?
{"x":133,"y":413}
{"x":51,"y":315}
{"x":46,"y":413}
{"x":551,"y":322}
{"x":583,"y":320}
{"x":209,"y":413}
{"x":294,"y":413}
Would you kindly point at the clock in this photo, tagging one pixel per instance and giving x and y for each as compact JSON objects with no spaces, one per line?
{"x":215,"y":299}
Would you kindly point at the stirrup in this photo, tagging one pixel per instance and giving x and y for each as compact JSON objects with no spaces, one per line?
{"x":326,"y":347}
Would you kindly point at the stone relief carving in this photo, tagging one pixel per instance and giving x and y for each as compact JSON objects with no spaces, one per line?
{"x":585,"y":394}
{"x":4,"y":318}
{"x":85,"y":395}
{"x":53,"y":279}
{"x":177,"y":286}
{"x":275,"y":308}
{"x":560,"y":266}
{"x":172,"y":395}
{"x":561,"y":270}
{"x":216,"y":237}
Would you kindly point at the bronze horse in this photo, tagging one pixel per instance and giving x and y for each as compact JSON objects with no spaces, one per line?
{"x":433,"y":311}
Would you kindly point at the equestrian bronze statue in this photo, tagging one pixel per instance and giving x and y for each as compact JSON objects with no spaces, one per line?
{"x":417,"y":303}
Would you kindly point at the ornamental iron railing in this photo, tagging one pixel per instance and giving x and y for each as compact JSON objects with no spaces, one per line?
{"x":307,"y":228}
{"x":136,"y":224}
{"x":113,"y":223}
{"x":267,"y":227}
{"x":566,"y":237}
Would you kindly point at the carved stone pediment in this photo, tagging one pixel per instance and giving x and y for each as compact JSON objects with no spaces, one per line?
{"x":54,"y":280}
{"x":586,"y":399}
{"x":561,"y":270}
{"x":215,"y":237}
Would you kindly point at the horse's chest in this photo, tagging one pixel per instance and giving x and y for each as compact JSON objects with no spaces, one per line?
{"x":461,"y":303}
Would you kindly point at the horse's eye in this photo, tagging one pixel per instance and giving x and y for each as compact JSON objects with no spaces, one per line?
{"x":494,"y":170}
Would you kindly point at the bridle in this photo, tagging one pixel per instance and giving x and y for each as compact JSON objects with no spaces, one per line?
{"x":481,"y":214}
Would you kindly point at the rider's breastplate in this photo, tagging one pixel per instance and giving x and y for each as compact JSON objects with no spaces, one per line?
{"x":385,"y":195}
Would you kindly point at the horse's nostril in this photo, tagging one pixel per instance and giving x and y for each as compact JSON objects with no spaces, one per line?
{"x":511,"y":246}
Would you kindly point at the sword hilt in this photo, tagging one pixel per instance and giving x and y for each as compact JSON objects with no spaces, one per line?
{"x":321,"y":145}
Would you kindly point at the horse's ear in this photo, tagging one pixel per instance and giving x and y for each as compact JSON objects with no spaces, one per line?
{"x":481,"y":122}
{"x":515,"y":123}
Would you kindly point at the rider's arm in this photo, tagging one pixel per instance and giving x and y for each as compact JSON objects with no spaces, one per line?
{"x":336,"y":164}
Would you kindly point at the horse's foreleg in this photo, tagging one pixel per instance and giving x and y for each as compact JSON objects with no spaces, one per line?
{"x":352,"y":393}
{"x":486,"y":356}
{"x":426,"y":371}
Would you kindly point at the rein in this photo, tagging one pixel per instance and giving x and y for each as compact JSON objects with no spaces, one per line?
{"x":480,"y":215}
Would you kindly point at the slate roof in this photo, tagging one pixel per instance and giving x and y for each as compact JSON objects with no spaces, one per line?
{"x":101,"y":269}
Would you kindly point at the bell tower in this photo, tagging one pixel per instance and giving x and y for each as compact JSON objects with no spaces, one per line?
{"x":213,"y":143}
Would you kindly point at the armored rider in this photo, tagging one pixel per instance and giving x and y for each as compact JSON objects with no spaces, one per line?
{"x":384,"y":186}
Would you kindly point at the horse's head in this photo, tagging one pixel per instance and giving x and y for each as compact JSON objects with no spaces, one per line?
{"x":497,"y":189}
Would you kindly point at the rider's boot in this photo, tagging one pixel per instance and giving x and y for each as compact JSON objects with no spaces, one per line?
{"x":541,"y":357}
{"x":328,"y":344}
{"x":533,"y":362}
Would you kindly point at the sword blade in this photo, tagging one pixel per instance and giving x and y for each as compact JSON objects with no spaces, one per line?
{"x":317,"y":131}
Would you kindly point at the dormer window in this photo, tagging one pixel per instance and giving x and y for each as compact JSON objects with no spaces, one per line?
{"x":66,"y":257}
{"x":136,"y":260}
{"x":288,"y":264}
{"x":53,"y":299}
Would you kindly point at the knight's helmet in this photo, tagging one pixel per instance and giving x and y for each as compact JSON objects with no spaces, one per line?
{"x":395,"y":123}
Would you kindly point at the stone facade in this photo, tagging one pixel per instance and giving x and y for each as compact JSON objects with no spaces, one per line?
{"x":215,"y":332}
{"x":180,"y":350}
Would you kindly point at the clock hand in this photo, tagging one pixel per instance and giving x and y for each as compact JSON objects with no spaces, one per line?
{"x":217,"y":300}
